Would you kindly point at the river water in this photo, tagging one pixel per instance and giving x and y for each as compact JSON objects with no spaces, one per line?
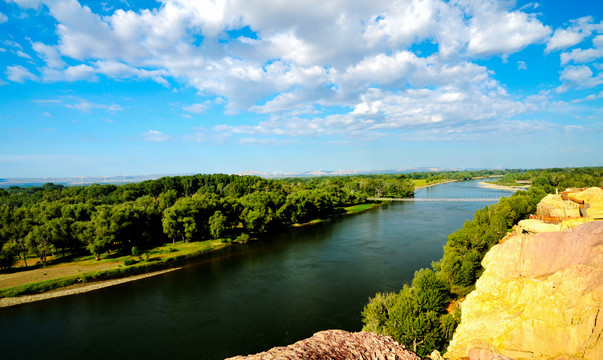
{"x":248,"y":298}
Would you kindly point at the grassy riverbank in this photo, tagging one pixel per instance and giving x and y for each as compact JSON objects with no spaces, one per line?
{"x":86,"y":273}
{"x":86,"y":270}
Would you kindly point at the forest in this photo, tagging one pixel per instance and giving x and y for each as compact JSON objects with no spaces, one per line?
{"x":422,"y":315}
{"x":104,"y":219}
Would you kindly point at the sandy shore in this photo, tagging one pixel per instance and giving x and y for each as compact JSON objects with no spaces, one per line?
{"x":75,"y":289}
{"x":434,"y":184}
{"x":500,"y":187}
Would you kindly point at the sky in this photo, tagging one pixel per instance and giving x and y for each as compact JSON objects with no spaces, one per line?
{"x":104,"y":88}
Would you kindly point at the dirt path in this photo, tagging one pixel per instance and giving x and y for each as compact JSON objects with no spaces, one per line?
{"x":75,"y":289}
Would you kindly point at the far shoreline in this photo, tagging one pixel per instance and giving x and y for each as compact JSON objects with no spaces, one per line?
{"x":434,"y":184}
{"x":487,"y":185}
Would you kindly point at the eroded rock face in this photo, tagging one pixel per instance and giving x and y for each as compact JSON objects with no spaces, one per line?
{"x":540,"y":297}
{"x":336,"y":345}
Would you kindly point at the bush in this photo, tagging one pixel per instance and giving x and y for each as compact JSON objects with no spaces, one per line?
{"x":242,"y":239}
{"x":129,"y":262}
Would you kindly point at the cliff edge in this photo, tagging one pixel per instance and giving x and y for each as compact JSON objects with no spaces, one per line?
{"x":540,"y":296}
{"x":338,"y":345}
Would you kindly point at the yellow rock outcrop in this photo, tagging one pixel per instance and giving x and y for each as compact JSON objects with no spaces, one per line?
{"x":540,"y":297}
{"x":554,"y":205}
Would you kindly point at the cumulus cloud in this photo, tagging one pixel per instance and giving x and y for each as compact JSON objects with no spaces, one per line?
{"x":19,"y":74}
{"x":578,"y":30}
{"x":580,"y":77}
{"x":581,"y":56}
{"x":302,"y":57}
{"x":495,"y":31}
{"x":3,"y":18}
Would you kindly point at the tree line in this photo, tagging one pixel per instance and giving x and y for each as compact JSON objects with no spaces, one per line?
{"x":59,"y":220}
{"x":420,"y":316}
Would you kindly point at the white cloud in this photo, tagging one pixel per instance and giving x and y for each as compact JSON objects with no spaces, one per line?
{"x":13,"y":44}
{"x":155,"y":136}
{"x":494,"y":31}
{"x":521,"y":65}
{"x":306,"y":56}
{"x":49,"y":54}
{"x":197,"y":108}
{"x":23,"y":55}
{"x":19,"y":74}
{"x":578,"y":30}
{"x":578,"y":76}
{"x":580,"y":56}
{"x":27,"y":3}
{"x":86,"y":106}
{"x":3,"y":18}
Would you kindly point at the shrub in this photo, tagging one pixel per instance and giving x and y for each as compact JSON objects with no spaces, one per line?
{"x":242,"y":239}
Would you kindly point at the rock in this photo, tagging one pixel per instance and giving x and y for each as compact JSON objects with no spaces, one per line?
{"x":593,"y":198}
{"x":539,"y":226}
{"x":435,"y":355}
{"x":553,"y":205}
{"x":338,"y":344}
{"x":540,"y":297}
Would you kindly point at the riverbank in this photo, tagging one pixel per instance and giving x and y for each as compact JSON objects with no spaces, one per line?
{"x":88,"y":275}
{"x":488,"y":185}
{"x":433,"y":184}
{"x":76,"y":289}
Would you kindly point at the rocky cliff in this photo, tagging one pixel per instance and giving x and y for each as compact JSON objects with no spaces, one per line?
{"x":338,"y":345}
{"x":541,"y":294}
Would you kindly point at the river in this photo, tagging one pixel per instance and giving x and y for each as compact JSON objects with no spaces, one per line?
{"x":248,"y":298}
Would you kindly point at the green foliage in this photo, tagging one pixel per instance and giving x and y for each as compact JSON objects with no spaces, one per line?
{"x":242,"y":239}
{"x":217,"y":224}
{"x":416,"y":316}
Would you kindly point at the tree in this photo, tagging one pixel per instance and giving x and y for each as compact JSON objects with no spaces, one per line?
{"x":179,"y":220}
{"x":102,"y":235}
{"x":431,"y":292}
{"x":38,"y":240}
{"x":8,"y":253}
{"x":17,"y":230}
{"x":217,"y":224}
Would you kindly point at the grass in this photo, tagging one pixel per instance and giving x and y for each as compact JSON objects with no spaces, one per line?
{"x":359,"y":207}
{"x":162,"y":257}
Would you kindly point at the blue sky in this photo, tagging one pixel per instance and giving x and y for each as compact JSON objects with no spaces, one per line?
{"x":102,"y":88}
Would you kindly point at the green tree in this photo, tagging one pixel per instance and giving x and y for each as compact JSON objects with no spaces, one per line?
{"x":38,"y":240}
{"x":217,"y":224}
{"x":102,"y":234}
